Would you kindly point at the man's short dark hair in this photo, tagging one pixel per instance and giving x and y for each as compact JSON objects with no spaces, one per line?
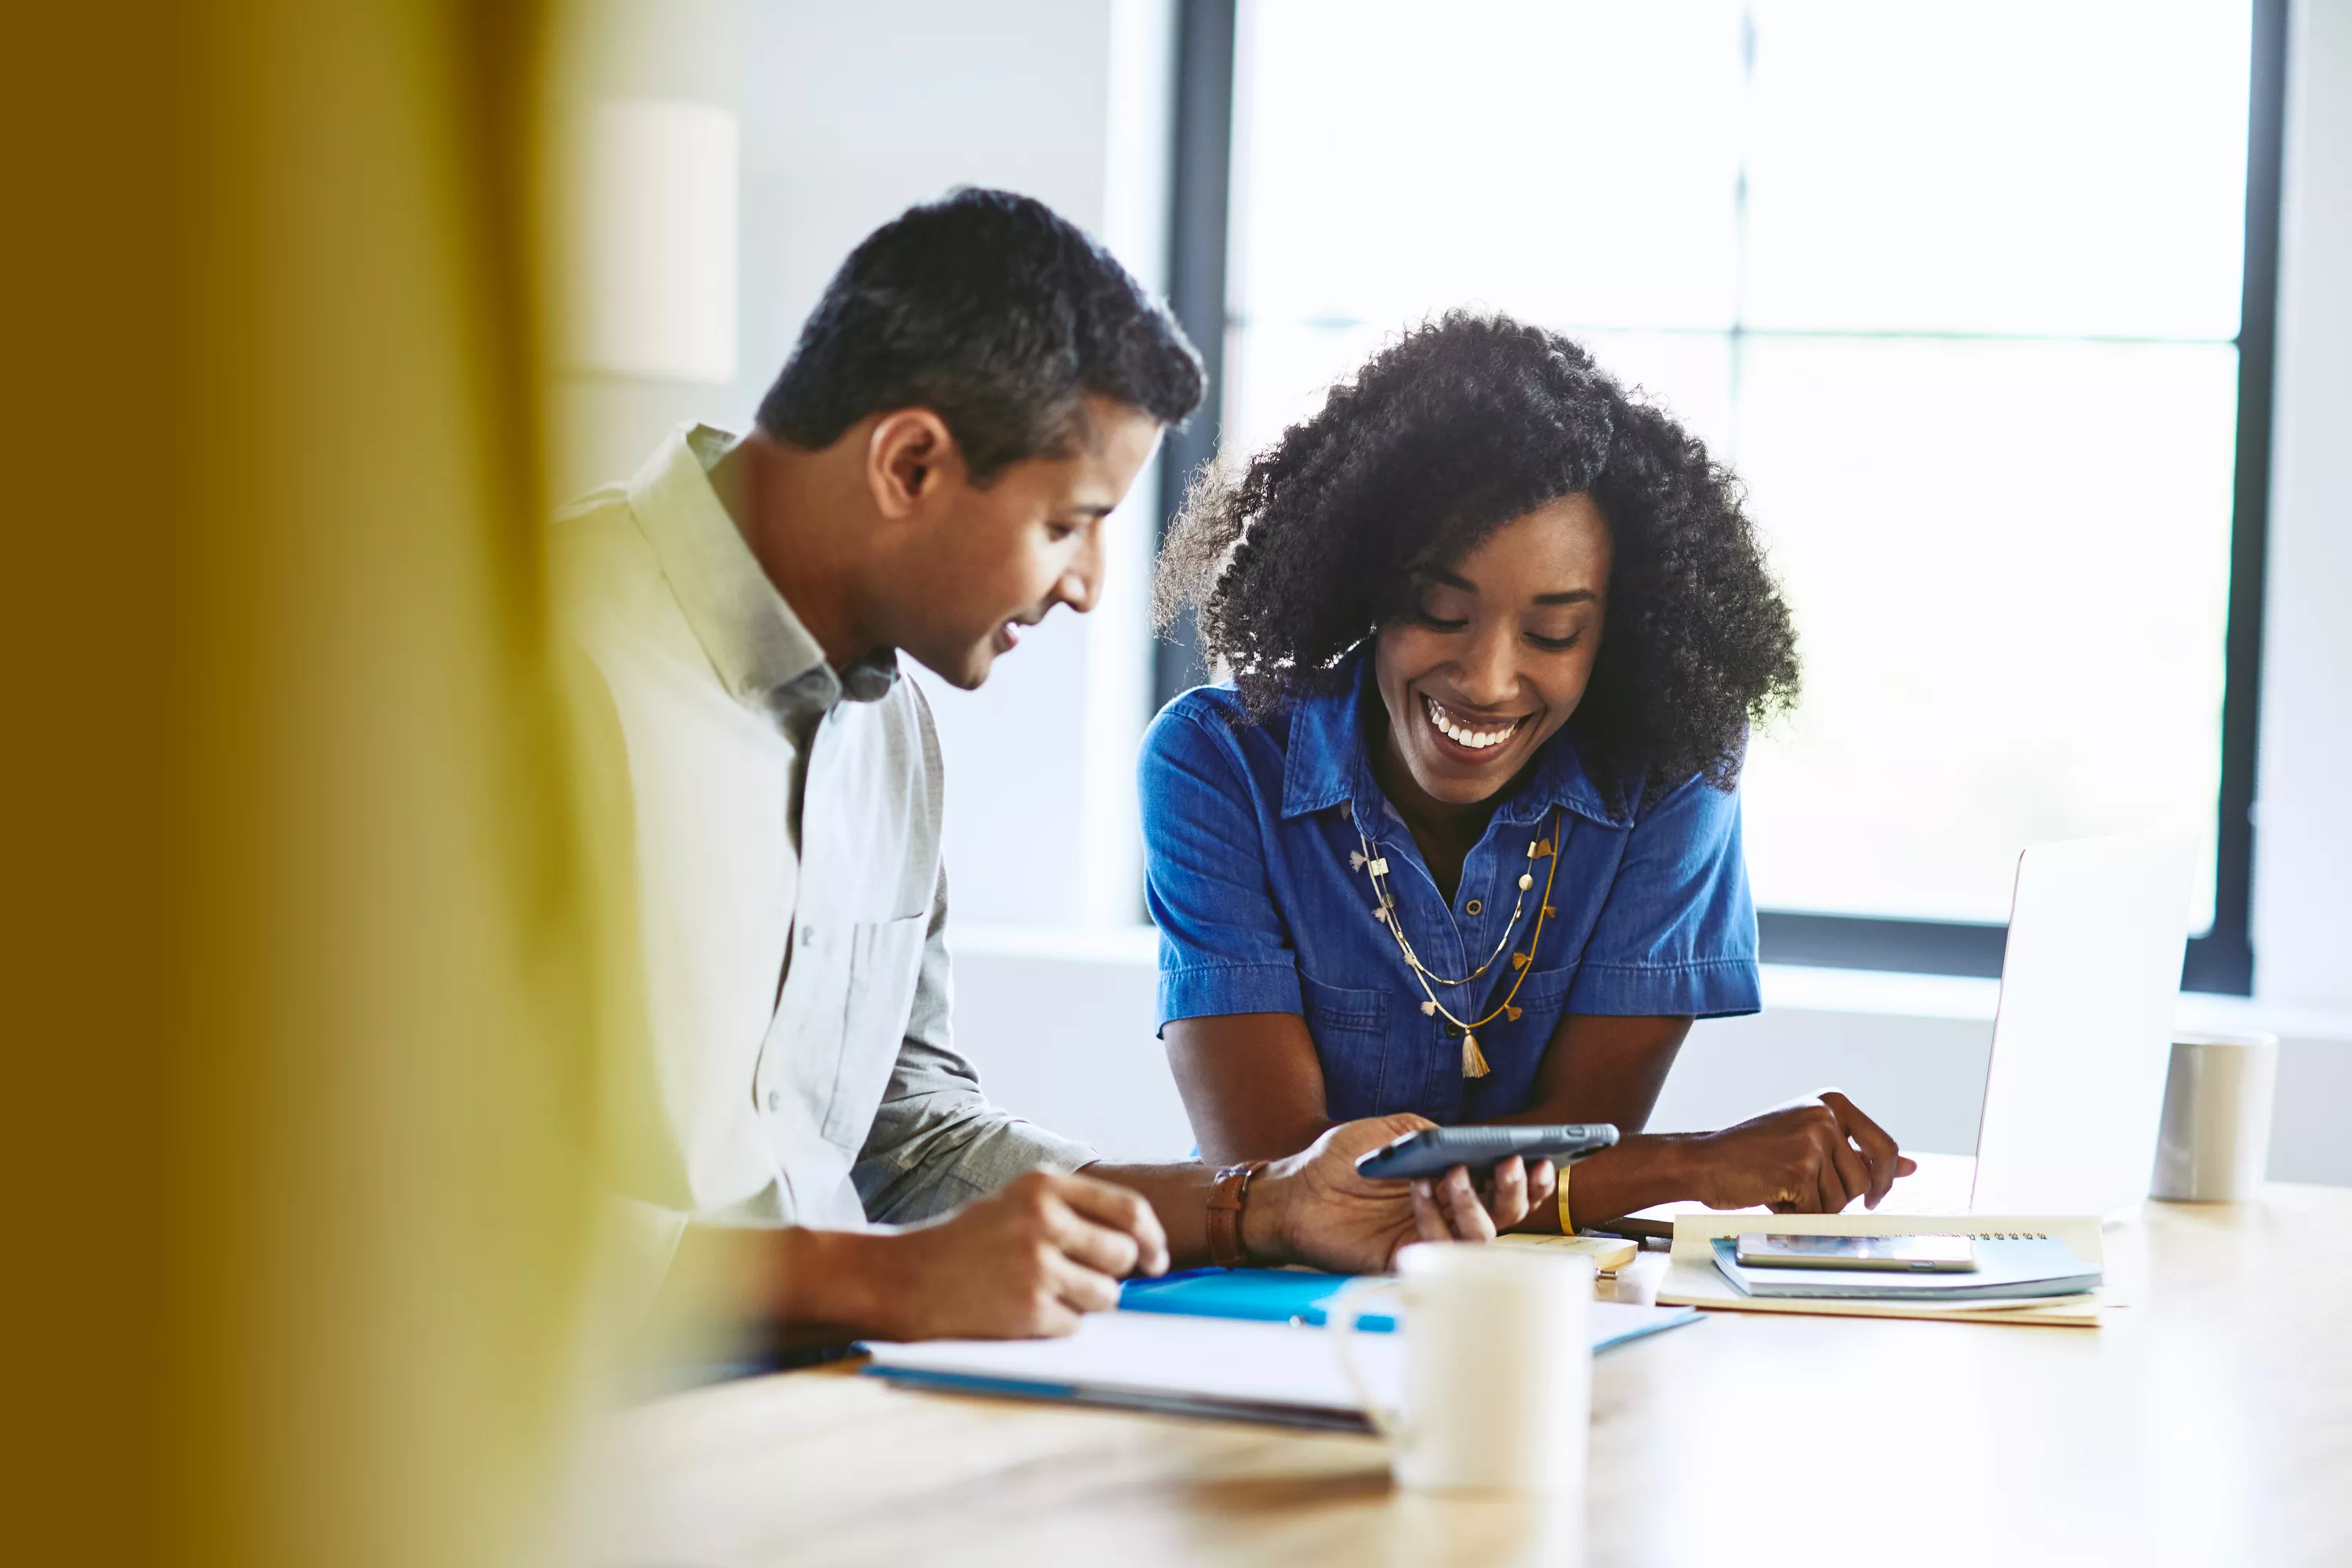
{"x":998,"y":315}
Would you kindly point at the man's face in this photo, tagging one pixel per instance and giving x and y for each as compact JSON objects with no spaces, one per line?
{"x":982,"y":564}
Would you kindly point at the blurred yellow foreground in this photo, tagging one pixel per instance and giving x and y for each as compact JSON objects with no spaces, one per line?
{"x":306,"y":1021}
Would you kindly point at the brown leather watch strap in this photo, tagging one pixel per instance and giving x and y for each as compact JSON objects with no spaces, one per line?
{"x":1227,"y":1195}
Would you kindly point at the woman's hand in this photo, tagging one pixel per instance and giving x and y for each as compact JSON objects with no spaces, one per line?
{"x":1814,"y":1156}
{"x":1316,"y":1207}
{"x":1454,"y":1207}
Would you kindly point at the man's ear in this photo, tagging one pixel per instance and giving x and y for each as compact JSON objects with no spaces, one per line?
{"x":909,"y":458}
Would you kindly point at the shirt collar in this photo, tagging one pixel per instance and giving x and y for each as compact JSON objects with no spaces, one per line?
{"x":1328,"y":763}
{"x":755,"y":642}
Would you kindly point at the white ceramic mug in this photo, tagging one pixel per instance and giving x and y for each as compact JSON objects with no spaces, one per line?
{"x":1497,"y":1349}
{"x":2215,"y":1139}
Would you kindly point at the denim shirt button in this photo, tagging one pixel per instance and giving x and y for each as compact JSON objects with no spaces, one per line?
{"x":1473,"y":906}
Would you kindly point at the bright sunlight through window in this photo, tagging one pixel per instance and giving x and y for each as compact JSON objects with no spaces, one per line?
{"x":1953,"y":287}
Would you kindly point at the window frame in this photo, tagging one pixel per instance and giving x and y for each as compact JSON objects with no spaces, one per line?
{"x":2221,"y":959}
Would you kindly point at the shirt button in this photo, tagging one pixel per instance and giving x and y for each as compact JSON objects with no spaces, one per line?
{"x":1473,"y":906}
{"x":775,"y":1099}
{"x":808,"y":939}
{"x":1452,"y":1031}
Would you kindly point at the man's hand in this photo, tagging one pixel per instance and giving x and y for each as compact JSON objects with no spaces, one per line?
{"x":1030,"y":1260}
{"x":1813,"y":1157}
{"x":1314,"y":1207}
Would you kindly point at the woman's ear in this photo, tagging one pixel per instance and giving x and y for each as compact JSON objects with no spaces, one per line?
{"x":910,"y":458}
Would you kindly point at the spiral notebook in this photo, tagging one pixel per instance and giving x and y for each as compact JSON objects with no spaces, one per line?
{"x":2026,"y":1266}
{"x":1693,"y":1279}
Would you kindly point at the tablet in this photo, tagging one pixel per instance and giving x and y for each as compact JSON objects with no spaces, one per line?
{"x":1433,"y":1151}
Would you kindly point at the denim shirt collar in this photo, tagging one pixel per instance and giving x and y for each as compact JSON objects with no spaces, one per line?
{"x":1327,"y":763}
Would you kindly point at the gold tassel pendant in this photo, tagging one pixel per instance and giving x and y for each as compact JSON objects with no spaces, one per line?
{"x":1473,"y":1061}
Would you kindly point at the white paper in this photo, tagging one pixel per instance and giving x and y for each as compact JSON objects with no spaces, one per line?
{"x":1204,"y":1358}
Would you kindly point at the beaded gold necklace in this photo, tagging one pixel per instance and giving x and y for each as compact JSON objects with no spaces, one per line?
{"x":1376,"y":866}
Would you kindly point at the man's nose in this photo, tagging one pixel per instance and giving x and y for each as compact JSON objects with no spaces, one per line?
{"x":1082,"y":583}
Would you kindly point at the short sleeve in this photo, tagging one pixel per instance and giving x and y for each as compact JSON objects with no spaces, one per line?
{"x":1677,"y":934}
{"x":1223,"y":946}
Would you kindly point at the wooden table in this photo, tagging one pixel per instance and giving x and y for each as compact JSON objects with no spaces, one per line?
{"x":2210,"y":1423}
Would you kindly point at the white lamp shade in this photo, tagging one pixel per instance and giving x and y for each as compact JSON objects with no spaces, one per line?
{"x":654,"y":243}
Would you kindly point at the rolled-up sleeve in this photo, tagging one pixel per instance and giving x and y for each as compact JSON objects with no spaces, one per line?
{"x":1678,"y":933}
{"x":937,"y":1141}
{"x":1223,"y":946}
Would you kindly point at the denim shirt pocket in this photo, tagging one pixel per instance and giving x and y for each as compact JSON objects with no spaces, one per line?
{"x":1515,"y":1046}
{"x":1351,"y":1030}
{"x":1543,"y":991}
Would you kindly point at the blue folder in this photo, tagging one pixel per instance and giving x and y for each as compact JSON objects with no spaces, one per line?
{"x":1291,"y":1296}
{"x":1260,"y":1295}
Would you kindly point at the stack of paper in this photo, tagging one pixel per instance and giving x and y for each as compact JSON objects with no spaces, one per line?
{"x":1197,"y":1366}
{"x":1693,"y":1279}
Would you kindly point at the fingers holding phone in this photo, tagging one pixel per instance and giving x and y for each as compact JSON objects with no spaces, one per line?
{"x":1457,"y":1207}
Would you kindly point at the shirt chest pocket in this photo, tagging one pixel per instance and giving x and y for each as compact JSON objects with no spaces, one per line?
{"x":886,"y":958}
{"x":1351,"y":1030}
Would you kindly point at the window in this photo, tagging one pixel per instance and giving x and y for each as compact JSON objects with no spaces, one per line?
{"x":1965,"y":294}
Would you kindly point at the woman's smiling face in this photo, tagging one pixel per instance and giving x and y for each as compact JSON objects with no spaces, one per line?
{"x":1496,"y":652}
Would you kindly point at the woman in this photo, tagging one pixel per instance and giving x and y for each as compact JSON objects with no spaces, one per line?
{"x":1462,"y":836}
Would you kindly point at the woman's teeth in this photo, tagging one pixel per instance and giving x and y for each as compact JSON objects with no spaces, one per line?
{"x":1461,"y":733}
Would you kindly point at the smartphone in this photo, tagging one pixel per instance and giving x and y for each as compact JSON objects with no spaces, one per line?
{"x":1433,"y":1151}
{"x":1906,"y":1254}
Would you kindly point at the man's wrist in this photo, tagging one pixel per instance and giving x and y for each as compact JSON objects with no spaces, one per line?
{"x":1266,"y":1216}
{"x":840,"y":1279}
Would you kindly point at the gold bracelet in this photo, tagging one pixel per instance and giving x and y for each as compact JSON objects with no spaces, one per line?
{"x":1567,"y":1225}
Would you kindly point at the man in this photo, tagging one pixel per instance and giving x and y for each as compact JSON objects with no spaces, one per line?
{"x":930,"y":474}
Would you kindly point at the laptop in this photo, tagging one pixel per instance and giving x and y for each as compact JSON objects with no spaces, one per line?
{"x":2083,"y":1037}
{"x":2082,"y":1040}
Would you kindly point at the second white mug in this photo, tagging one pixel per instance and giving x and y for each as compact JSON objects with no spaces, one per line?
{"x":1497,"y":1367}
{"x":2215,"y":1137}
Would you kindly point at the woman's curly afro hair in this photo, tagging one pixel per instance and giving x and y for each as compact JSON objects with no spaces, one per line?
{"x":1463,"y":423}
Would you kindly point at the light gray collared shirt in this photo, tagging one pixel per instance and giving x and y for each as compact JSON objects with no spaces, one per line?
{"x":789,"y":885}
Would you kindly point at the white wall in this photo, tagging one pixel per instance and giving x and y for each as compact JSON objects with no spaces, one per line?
{"x":1060,"y":1025}
{"x":849,"y":114}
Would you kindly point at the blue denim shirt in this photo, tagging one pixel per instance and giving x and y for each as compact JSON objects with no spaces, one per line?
{"x":1247,"y":831}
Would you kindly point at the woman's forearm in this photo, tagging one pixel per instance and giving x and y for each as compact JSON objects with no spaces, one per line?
{"x":1644,"y":1169}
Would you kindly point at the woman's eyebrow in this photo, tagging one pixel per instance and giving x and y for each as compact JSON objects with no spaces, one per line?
{"x":1567,"y":596}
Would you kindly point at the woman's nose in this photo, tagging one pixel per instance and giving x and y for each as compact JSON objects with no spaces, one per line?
{"x":1490,"y":672}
